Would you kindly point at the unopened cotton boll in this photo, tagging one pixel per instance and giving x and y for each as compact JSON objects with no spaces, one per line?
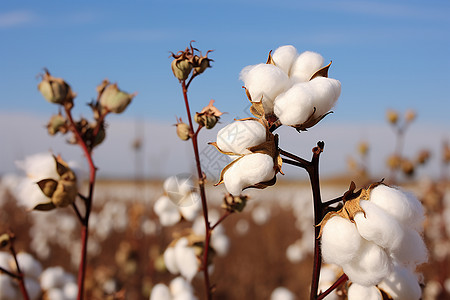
{"x":358,"y":292}
{"x":341,"y":241}
{"x":370,"y":265}
{"x":160,"y":292}
{"x":401,"y":284}
{"x":377,"y":226}
{"x":284,"y":57}
{"x":296,"y":105}
{"x":405,"y":208}
{"x":282,"y":293}
{"x":306,"y":64}
{"x":247,"y":171}
{"x":240,"y":135}
{"x":265,"y":81}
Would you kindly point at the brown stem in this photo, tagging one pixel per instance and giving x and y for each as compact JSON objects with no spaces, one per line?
{"x":223,"y":217}
{"x":19,"y":274}
{"x":341,"y":280}
{"x":201,"y":184}
{"x":10,"y":274}
{"x":88,"y":203}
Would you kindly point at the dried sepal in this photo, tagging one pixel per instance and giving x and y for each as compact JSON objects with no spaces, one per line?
{"x":4,"y":240}
{"x":225,"y":169}
{"x":48,"y":186}
{"x":263,"y":185}
{"x":221,"y":151}
{"x":45,"y":206}
{"x":234,"y":203}
{"x":311,"y":121}
{"x":323,"y":72}
{"x":270,"y":60}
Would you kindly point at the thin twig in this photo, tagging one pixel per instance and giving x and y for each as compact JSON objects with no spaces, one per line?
{"x":304,"y":162}
{"x":223,"y":217}
{"x":341,"y":280}
{"x":19,"y":272}
{"x":10,"y":274}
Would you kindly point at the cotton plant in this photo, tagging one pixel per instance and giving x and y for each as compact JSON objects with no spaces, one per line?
{"x":180,"y":200}
{"x":58,"y":284}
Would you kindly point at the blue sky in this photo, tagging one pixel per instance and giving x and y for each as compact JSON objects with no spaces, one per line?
{"x":387,"y":54}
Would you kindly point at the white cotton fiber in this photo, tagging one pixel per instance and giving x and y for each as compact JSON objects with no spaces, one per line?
{"x":33,"y":288}
{"x":186,"y":259}
{"x":170,"y":260}
{"x":6,"y":261}
{"x":378,"y":226}
{"x":370,"y":265}
{"x":247,"y":171}
{"x":296,"y":105}
{"x":70,"y":291}
{"x":265,"y":81}
{"x":305,"y":66}
{"x":29,"y":266}
{"x":190,"y":206}
{"x":240,"y":135}
{"x":177,"y":187}
{"x":54,"y":294}
{"x":7,"y":289}
{"x":220,"y":244}
{"x":340,"y":241}
{"x":167,"y":211}
{"x":358,"y":292}
{"x":412,"y":250}
{"x":326,"y":91}
{"x":160,"y":292}
{"x":53,"y":277}
{"x":401,"y":284}
{"x":284,"y":57}
{"x":282,"y":293}
{"x":405,"y":208}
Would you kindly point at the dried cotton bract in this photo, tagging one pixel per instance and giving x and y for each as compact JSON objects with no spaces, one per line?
{"x":376,"y":239}
{"x":293,"y":87}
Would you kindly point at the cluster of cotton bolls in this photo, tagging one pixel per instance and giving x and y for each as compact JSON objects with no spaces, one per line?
{"x":178,"y":289}
{"x":383,"y":246}
{"x":287,"y":87}
{"x":179,"y":200}
{"x":30,"y":267}
{"x":247,"y":168}
{"x":58,"y":284}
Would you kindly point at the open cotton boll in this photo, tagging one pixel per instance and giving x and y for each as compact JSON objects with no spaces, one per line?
{"x":284,"y":57}
{"x":190,"y":206}
{"x":265,"y":81}
{"x":247,"y":171}
{"x":29,"y":265}
{"x":220,"y":244}
{"x":179,"y":285}
{"x":70,"y":291}
{"x":326,"y":91}
{"x":358,"y":292}
{"x":6,"y":261}
{"x":340,"y":241}
{"x":186,"y":259}
{"x":167,"y":211}
{"x":39,"y":166}
{"x":33,"y":288}
{"x":170,"y":260}
{"x":54,"y":294}
{"x":282,"y":293}
{"x":177,"y":187}
{"x":405,"y":208}
{"x":160,"y":292}
{"x":7,"y":289}
{"x":296,"y":105}
{"x":53,"y":277}
{"x":369,"y":266}
{"x":401,"y":284}
{"x":412,"y":250}
{"x":378,"y":226}
{"x":306,"y":64}
{"x":240,"y":135}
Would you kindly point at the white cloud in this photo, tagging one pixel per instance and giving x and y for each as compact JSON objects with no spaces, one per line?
{"x":16,"y":18}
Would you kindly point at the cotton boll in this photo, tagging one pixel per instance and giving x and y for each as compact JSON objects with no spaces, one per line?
{"x":7,"y":289}
{"x":401,"y":284}
{"x":260,"y":215}
{"x":358,"y":292}
{"x":160,"y":292}
{"x":28,"y":265}
{"x":6,"y":260}
{"x":186,"y":259}
{"x":70,"y":291}
{"x":33,"y":288}
{"x":341,"y":241}
{"x":284,"y":57}
{"x":282,"y":293}
{"x":190,"y":206}
{"x":242,"y":227}
{"x":167,"y":211}
{"x":170,"y":260}
{"x":326,"y":91}
{"x":369,"y":266}
{"x":412,"y":250}
{"x":220,"y":244}
{"x":177,"y":187}
{"x":55,"y":294}
{"x":296,"y":105}
{"x":240,"y":135}
{"x":265,"y":81}
{"x":379,"y":227}
{"x":294,"y":253}
{"x":247,"y":171}
{"x":179,"y":285}
{"x":405,"y":208}
{"x":52,"y":277}
{"x":305,"y":66}
{"x":39,"y":166}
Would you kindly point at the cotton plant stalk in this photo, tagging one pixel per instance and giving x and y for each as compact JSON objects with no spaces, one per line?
{"x":62,"y":191}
